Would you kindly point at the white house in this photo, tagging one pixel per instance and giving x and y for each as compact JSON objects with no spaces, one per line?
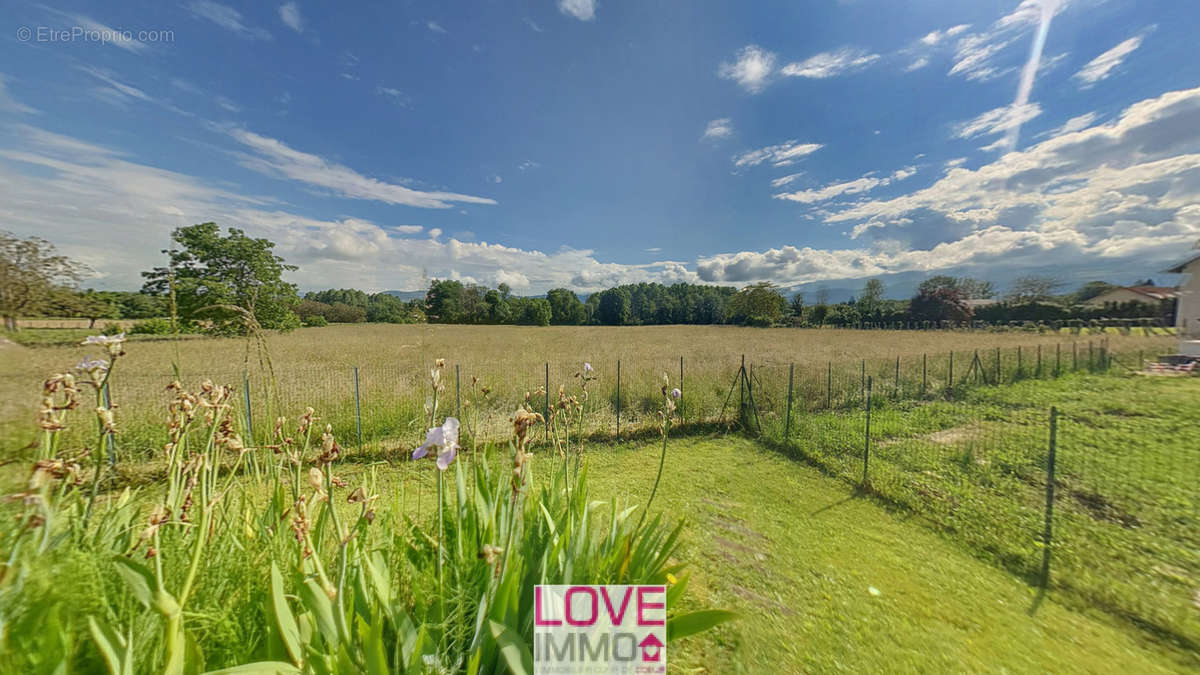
{"x":1123,"y":294}
{"x":1187,"y":313}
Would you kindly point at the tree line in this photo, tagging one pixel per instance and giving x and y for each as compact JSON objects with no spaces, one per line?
{"x":233,"y":283}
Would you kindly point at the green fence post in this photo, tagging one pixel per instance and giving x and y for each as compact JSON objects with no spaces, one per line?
{"x":829,"y":386}
{"x":950,"y":381}
{"x":998,"y":365}
{"x":108,"y":437}
{"x":1074,"y":357}
{"x":1047,"y":532}
{"x":862,"y":385}
{"x":787,"y":427}
{"x":1039,"y":362}
{"x":458,"y":391}
{"x":249,"y":417}
{"x":1019,"y":363}
{"x":1057,"y":359}
{"x":547,"y":400}
{"x":867,"y":436}
{"x":358,"y":410}
{"x":924,"y":373}
{"x":896,"y":386}
{"x":618,"y":399}
{"x":681,"y":390}
{"x":742,"y":390}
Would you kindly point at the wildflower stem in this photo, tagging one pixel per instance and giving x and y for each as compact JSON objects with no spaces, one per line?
{"x":662,"y":459}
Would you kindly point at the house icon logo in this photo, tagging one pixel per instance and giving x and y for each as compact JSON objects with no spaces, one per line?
{"x":651,"y":648}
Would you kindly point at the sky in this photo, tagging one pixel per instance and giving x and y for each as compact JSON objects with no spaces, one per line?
{"x":588,"y":143}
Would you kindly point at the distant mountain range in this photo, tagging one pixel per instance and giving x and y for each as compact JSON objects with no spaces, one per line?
{"x":407,"y":295}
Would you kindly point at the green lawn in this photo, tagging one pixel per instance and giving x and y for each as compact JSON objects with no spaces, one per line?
{"x":797,"y":554}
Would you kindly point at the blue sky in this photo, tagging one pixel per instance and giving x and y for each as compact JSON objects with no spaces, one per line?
{"x":583,"y":144}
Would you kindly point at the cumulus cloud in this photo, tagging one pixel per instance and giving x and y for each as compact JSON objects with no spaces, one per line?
{"x":783,"y":154}
{"x":289,"y":14}
{"x":830,"y":64}
{"x":584,"y":10}
{"x":751,"y":68}
{"x":1102,"y":66}
{"x":718,"y":129}
{"x":275,"y":158}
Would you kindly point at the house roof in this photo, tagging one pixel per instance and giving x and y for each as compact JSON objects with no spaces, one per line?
{"x":1151,"y":292}
{"x":1179,"y":269}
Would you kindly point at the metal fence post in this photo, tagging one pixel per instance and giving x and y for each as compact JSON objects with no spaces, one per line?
{"x":998,"y":365}
{"x":457,"y":392}
{"x":862,"y":384}
{"x":924,"y":373}
{"x":1047,"y":533}
{"x":829,"y":386}
{"x":358,"y":410}
{"x":108,"y":437}
{"x":249,"y":417}
{"x":742,"y":389}
{"x":867,"y":436}
{"x":1019,"y":363}
{"x":950,"y":381}
{"x":1057,"y":359}
{"x":896,"y":385}
{"x":1039,"y":362}
{"x":1074,"y":356}
{"x":618,"y":399}
{"x":547,"y":400}
{"x":681,"y":390}
{"x":787,"y":427}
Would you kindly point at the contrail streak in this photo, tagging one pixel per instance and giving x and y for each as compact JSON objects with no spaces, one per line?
{"x":1048,"y":8}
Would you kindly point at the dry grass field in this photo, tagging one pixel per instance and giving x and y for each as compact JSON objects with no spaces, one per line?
{"x":316,"y":366}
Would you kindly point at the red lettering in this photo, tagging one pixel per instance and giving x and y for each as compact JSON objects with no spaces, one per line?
{"x":537,"y":609}
{"x":591,"y":593}
{"x":643,"y":605}
{"x":616,"y":618}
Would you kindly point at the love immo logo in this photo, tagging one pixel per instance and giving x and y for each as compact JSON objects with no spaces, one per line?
{"x":599,"y":629}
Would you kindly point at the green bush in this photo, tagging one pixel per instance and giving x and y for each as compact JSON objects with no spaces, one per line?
{"x":150,"y":327}
{"x":315,"y":321}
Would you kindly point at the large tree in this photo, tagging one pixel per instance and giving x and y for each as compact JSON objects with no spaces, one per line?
{"x":1033,"y":289}
{"x":222,"y":279}
{"x":565,"y":307}
{"x":968,"y":288}
{"x":30,"y":270}
{"x":759,"y":304}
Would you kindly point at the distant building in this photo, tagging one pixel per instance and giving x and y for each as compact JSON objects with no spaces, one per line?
{"x":1187,"y":314}
{"x":976,"y":303}
{"x":1147,"y":294}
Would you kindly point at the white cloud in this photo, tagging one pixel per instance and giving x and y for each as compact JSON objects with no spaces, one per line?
{"x":857,"y":186}
{"x":528,"y":165}
{"x":396,"y":96}
{"x":289,"y":14}
{"x":975,"y":54}
{"x":1072,"y":125}
{"x":514,"y":279}
{"x":783,"y":154}
{"x":785,"y":180}
{"x":998,"y":120}
{"x":8,"y":103}
{"x":274,"y":158}
{"x":750,"y":69}
{"x":1102,"y":66}
{"x":864,"y":184}
{"x":228,"y":105}
{"x":934,"y":37}
{"x":227,"y":18}
{"x":116,"y":38}
{"x":917,"y":64}
{"x":584,"y":10}
{"x":719,"y":128}
{"x":830,"y":64}
{"x":533,"y":25}
{"x":435,"y":27}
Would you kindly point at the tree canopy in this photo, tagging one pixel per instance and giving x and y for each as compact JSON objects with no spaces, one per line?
{"x":213,"y":274}
{"x":30,"y":272}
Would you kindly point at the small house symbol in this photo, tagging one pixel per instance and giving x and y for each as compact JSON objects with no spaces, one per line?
{"x":651,"y":648}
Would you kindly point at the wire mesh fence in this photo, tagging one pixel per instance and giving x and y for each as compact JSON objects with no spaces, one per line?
{"x":1086,"y":504}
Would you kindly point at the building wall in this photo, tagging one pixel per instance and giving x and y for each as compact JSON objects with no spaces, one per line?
{"x":1188,"y":314}
{"x":1118,"y":295}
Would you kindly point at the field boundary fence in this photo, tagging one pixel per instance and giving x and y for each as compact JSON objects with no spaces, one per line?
{"x":1054,"y":491}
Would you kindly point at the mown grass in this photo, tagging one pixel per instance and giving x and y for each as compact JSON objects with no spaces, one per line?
{"x":796,"y":554}
{"x":1126,"y":532}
